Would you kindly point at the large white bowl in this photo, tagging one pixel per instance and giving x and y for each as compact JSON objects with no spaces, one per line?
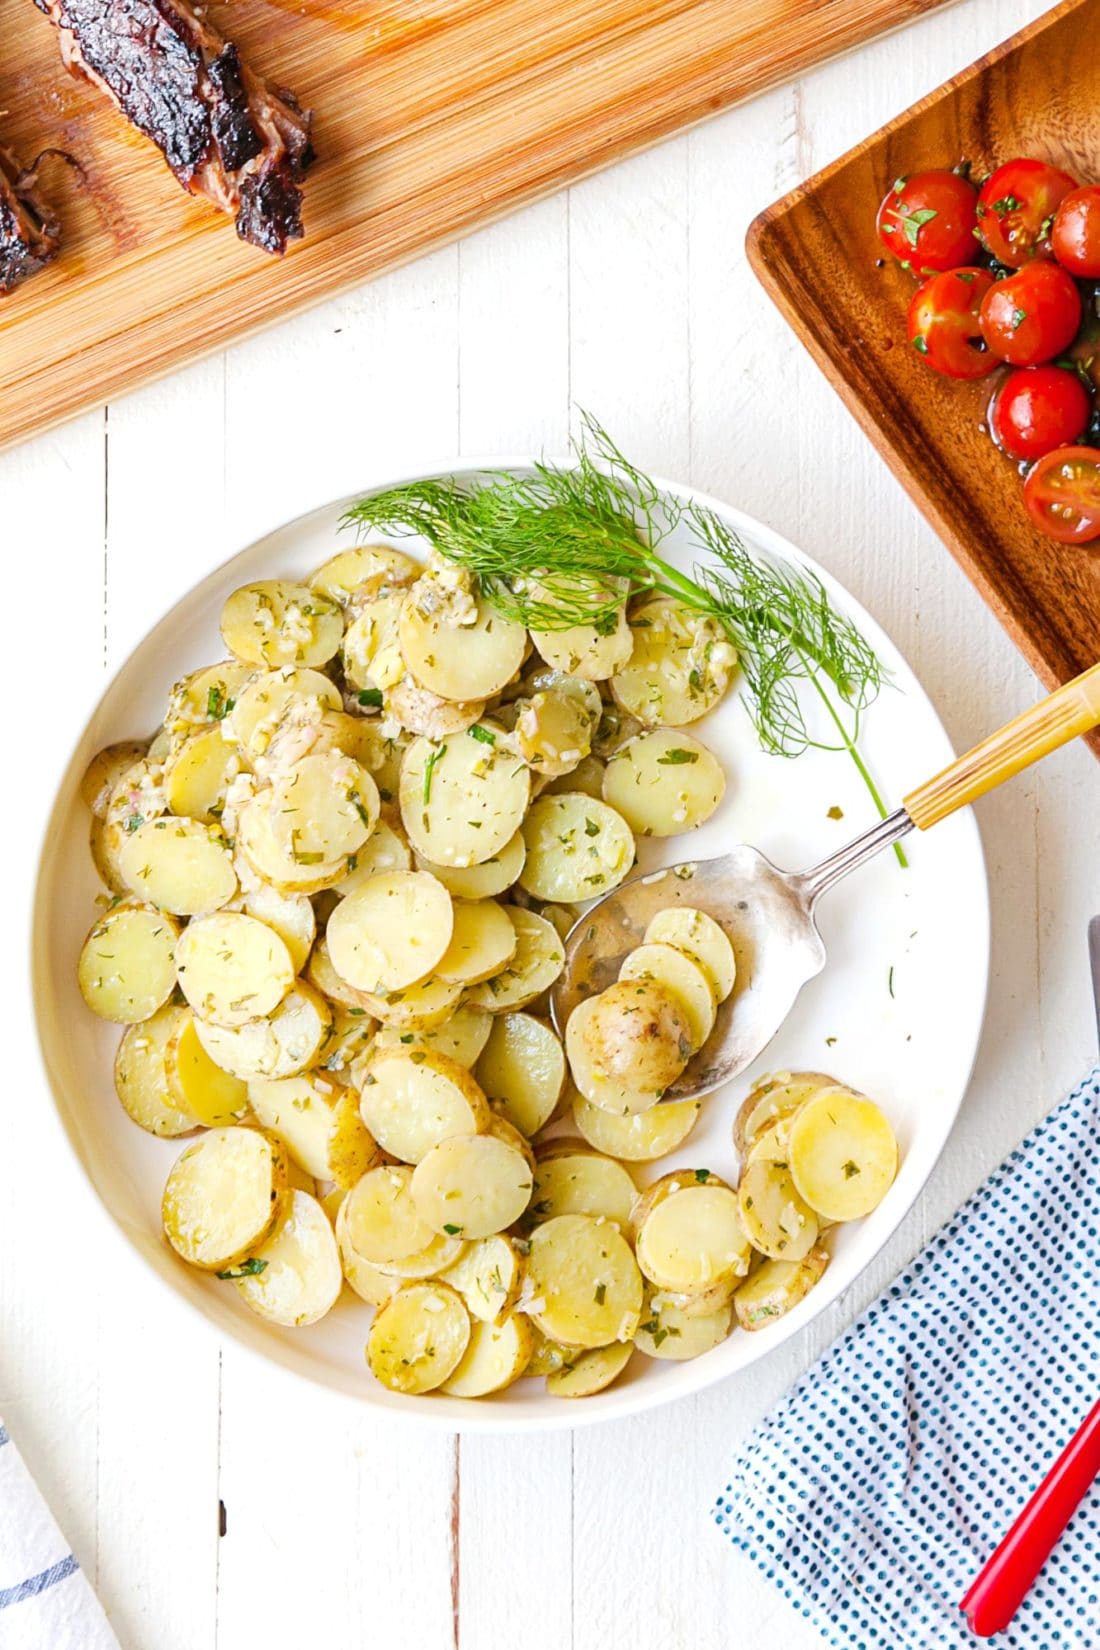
{"x":897,"y":1012}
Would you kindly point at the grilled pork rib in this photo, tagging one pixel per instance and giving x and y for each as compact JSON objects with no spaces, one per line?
{"x":224,"y":132}
{"x":29,"y":233}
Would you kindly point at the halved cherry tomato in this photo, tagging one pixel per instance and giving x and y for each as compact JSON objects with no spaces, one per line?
{"x":928,"y":221}
{"x":1016,"y":208}
{"x":1038,"y":409}
{"x":1031,"y":316}
{"x":1075,"y":237}
{"x":944,"y":323}
{"x":1062,"y":495}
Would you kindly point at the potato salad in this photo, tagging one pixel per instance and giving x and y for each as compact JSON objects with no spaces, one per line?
{"x":337,"y":882}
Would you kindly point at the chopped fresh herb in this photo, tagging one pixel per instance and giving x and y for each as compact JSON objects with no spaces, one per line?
{"x":702,"y":1175}
{"x":486,"y":735}
{"x":247,"y":1269}
{"x":890,"y":980}
{"x":920,"y":344}
{"x":913,"y":222}
{"x":965,"y":275}
{"x":1007,"y":203}
{"x":590,"y":827}
{"x":371,"y":697}
{"x":830,"y":1042}
{"x":429,"y":769}
{"x":676,"y":758}
{"x":218,"y":705}
{"x":134,"y":822}
{"x":850,"y":1169}
{"x":407,"y":1036}
{"x":453,"y":1231}
{"x":600,"y":1294}
{"x":1019,"y":316}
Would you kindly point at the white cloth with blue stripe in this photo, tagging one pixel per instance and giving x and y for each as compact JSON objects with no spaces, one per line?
{"x":872,"y":1495}
{"x":45,"y":1600}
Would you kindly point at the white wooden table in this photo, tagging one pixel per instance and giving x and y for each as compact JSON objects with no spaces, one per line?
{"x":629,"y":295}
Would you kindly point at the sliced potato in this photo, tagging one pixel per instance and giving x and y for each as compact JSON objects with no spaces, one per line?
{"x":294,"y":1276}
{"x":583,"y":1374}
{"x":700,"y":938}
{"x":199,"y":773}
{"x":323,"y":808}
{"x":127,"y":966}
{"x":471,"y":1186}
{"x":350,"y":1040}
{"x":586,"y":777}
{"x":598,"y":1087}
{"x":664,"y":782}
{"x":577,"y":848}
{"x":412,"y":1100}
{"x":104,"y":772}
{"x":141,"y":1076}
{"x":462,"y":801}
{"x":425,"y":714}
{"x":275,"y":623}
{"x":179,"y":865}
{"x":392,"y":933}
{"x":553,"y":731}
{"x":208,"y":695}
{"x":522,"y":1070}
{"x":422,"y":1007}
{"x":549,"y":1357}
{"x":384,"y":851}
{"x":776,"y":1287}
{"x":690,"y":1233}
{"x":488,"y":1276}
{"x":538,"y":959}
{"x":223,"y":1195}
{"x":778,"y":1222}
{"x":668,"y":1332}
{"x":583,"y":1286}
{"x":418,"y":1338}
{"x":379,"y":1222}
{"x":679,"y":666}
{"x":582,"y":650}
{"x":212,"y":1096}
{"x":371,"y":654}
{"x":319,"y":1123}
{"x":453,"y":642}
{"x":571,"y":1179}
{"x":321,"y":973}
{"x":282,"y":1044}
{"x":290,"y":915}
{"x":462,"y":1036}
{"x":497,"y":1355}
{"x":263,"y":702}
{"x":676,"y":972}
{"x":775,"y":1097}
{"x":843,"y":1154}
{"x":381,"y":750}
{"x":483,"y":942}
{"x":486,"y":880}
{"x":640,"y":1138}
{"x":370,"y":566}
{"x":232,"y":968}
{"x":295,"y":872}
{"x":369,"y":1282}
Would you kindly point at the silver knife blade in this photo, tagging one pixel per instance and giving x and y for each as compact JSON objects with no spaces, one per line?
{"x":1094,"y":959}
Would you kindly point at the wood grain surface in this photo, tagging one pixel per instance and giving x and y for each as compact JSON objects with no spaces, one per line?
{"x":429,"y":118}
{"x":817,"y":254}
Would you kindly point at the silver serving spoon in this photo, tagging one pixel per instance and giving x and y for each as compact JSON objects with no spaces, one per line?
{"x":769,"y":914}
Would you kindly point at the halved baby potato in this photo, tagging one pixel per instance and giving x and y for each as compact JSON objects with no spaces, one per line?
{"x":374,"y":566}
{"x":577,"y":848}
{"x":198,"y":774}
{"x":522,"y":1070}
{"x":371,"y":654}
{"x":127,"y":966}
{"x":290,"y":915}
{"x":685,"y":979}
{"x":537,"y":961}
{"x":483,"y":942}
{"x":213,"y":1097}
{"x":690,"y":1234}
{"x":776,"y":1287}
{"x":294,"y":1276}
{"x":273,"y":623}
{"x":323,"y":808}
{"x":778,"y":1221}
{"x":571,"y":1179}
{"x":843,"y":1154}
{"x":497,"y":1354}
{"x":378,"y":1220}
{"x":141,"y":1076}
{"x":638,"y":1034}
{"x":425,"y":1006}
{"x":262,"y":703}
{"x":679,"y":666}
{"x":385,"y":850}
{"x":598,"y":1087}
{"x":222,"y":1197}
{"x":392,"y":933}
{"x":232,"y":968}
{"x":320,"y":1125}
{"x":104,"y":772}
{"x":699,"y":937}
{"x":553,"y":730}
{"x":296,"y":871}
{"x":483,"y":881}
{"x":418,"y":1338}
{"x":583,"y":1285}
{"x":462,"y":1036}
{"x":666,"y":1331}
{"x":179,"y":865}
{"x":472,"y":1186}
{"x":462,"y":801}
{"x":281,"y":1044}
{"x":583,"y":1374}
{"x":640,"y":1138}
{"x":412,"y":1100}
{"x":208,"y":695}
{"x":774,"y":1098}
{"x":663,"y":782}
{"x":582,"y":650}
{"x":488,"y":1276}
{"x":464,"y":656}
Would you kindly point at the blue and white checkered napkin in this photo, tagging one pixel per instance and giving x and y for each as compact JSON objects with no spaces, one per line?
{"x":874,"y":1492}
{"x":45,"y":1600}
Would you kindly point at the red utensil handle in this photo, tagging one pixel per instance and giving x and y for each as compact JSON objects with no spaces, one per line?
{"x":1004,"y":1582}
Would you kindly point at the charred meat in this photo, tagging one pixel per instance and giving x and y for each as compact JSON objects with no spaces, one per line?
{"x":224,"y":132}
{"x":29,"y":233}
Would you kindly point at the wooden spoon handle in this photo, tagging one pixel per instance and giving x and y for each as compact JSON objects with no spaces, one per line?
{"x":1054,"y":721}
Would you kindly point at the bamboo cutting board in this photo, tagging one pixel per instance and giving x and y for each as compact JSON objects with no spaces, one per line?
{"x":429,"y":118}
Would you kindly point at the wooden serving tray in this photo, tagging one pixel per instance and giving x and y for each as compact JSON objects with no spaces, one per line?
{"x":430,"y":116}
{"x":816,"y":253}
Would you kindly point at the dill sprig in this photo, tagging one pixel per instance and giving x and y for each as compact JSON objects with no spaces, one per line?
{"x":562,"y":547}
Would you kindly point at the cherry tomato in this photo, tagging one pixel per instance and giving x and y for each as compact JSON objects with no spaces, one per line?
{"x":1084,"y":352}
{"x":1037,"y":409}
{"x":944,"y":323}
{"x":1062,"y":495}
{"x":928,"y":221}
{"x":1075,"y":237}
{"x":1015,"y":209}
{"x":1033,"y":315}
